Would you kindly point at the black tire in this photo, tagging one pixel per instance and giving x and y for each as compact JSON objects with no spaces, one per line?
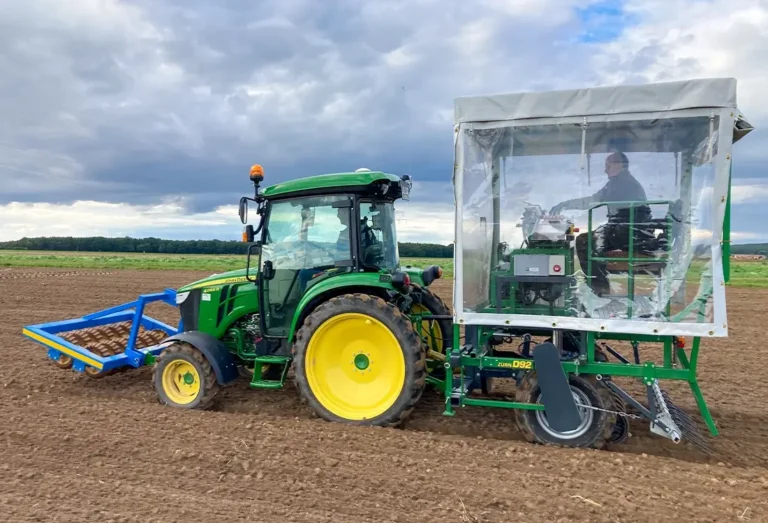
{"x":402,"y":329}
{"x":208,"y":386}
{"x":435,"y":305}
{"x":595,"y":435}
{"x":438,"y":307}
{"x":620,"y":433}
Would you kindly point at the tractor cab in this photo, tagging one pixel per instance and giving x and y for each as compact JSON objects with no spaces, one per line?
{"x":316,"y":228}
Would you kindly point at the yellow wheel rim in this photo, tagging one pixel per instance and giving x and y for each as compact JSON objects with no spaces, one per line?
{"x":181,"y":382}
{"x":431,"y":333}
{"x":354,"y":366}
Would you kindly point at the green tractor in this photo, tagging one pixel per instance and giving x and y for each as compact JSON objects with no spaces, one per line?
{"x":323,"y":289}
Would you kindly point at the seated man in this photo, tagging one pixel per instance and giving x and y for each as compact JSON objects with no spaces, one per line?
{"x":342,"y":243}
{"x":366,"y":238}
{"x":621,"y":187}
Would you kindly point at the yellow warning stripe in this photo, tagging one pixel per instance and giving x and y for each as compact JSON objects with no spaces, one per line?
{"x":62,"y":348}
{"x":220,"y":281}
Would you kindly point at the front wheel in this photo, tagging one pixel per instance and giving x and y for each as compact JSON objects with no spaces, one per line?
{"x":596,"y":426}
{"x":183,"y":377}
{"x":358,"y":360}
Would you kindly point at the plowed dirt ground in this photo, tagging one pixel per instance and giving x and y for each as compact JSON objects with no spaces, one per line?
{"x":78,"y":449}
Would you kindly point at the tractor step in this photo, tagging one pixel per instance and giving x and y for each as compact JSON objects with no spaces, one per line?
{"x":106,"y":341}
{"x":259,"y":381}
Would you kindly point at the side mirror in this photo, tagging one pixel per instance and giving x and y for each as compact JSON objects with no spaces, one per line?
{"x":243,"y":210}
{"x":268,"y":270}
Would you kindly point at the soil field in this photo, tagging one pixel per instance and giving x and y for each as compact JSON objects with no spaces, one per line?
{"x":77,"y":449}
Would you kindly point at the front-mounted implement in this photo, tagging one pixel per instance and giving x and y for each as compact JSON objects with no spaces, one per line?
{"x":106,"y":341}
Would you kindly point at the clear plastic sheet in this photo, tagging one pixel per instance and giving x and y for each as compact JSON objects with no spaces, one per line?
{"x":546,"y":213}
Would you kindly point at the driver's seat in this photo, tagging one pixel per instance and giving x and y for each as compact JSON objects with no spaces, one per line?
{"x":647,"y":245}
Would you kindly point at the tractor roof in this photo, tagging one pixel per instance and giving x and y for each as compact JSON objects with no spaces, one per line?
{"x":326,"y":183}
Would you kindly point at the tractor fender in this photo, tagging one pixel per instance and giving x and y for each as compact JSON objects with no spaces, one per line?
{"x":222,"y":361}
{"x":336,"y":285}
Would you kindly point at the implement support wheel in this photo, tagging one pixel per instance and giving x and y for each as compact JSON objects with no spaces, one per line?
{"x":358,"y":360}
{"x":183,"y":377}
{"x":64,"y":361}
{"x":596,"y":426}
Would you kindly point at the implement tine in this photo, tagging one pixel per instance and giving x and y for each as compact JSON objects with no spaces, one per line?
{"x":687,"y":425}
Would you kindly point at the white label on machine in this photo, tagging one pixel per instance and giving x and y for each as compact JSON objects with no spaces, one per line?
{"x":557,"y":265}
{"x":206,"y":297}
{"x":532,"y":269}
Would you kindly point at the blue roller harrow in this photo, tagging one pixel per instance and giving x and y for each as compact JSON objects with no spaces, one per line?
{"x":109,"y":340}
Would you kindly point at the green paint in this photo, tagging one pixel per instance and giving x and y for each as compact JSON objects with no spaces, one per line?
{"x":633,"y":262}
{"x":338,"y":284}
{"x":727,"y":232}
{"x":327,"y":181}
{"x":414,"y":273}
{"x":361,"y":362}
{"x":189,"y":379}
{"x":259,"y":382}
{"x":470,"y":402}
{"x":229,"y":277}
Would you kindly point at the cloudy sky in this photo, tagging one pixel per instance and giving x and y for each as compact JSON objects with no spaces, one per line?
{"x":142,"y":117}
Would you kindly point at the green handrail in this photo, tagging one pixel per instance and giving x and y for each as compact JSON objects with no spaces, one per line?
{"x":630,"y":259}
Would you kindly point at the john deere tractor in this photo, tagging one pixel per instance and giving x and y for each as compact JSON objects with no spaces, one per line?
{"x":322,"y":289}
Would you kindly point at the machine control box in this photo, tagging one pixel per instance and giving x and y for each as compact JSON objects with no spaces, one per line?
{"x":539,"y":265}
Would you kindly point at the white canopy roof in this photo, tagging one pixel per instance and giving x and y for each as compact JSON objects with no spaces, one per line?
{"x":647,"y":98}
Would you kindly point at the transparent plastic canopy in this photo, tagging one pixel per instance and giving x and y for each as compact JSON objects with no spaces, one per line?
{"x":596,"y":209}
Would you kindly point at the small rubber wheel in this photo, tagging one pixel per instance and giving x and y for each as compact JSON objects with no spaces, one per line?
{"x":595,"y":428}
{"x":64,"y":361}
{"x":358,"y":360}
{"x":182,"y":377}
{"x":96,"y":374}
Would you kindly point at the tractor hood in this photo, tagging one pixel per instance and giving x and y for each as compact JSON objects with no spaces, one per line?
{"x":230,"y":277}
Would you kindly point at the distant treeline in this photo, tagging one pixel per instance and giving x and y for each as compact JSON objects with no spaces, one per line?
{"x":158,"y":245}
{"x":750,"y":248}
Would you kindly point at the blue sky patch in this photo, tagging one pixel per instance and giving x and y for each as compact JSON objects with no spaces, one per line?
{"x":603,"y":21}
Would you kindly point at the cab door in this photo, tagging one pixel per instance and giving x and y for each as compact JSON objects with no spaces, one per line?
{"x":303,"y":238}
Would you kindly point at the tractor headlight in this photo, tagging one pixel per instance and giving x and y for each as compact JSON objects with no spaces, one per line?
{"x":180,"y":297}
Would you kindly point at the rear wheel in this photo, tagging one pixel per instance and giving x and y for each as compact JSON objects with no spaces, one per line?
{"x":358,"y":360}
{"x":435,"y":334}
{"x":595,"y":428}
{"x":183,"y":377}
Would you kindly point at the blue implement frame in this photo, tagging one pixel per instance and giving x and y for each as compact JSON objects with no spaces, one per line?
{"x":46,"y":334}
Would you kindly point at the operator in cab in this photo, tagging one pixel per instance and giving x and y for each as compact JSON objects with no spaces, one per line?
{"x":621,"y":187}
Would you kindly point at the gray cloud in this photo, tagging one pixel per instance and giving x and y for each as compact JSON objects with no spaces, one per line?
{"x":151,"y":100}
